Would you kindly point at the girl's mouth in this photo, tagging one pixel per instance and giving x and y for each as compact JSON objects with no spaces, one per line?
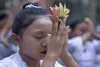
{"x":44,"y":52}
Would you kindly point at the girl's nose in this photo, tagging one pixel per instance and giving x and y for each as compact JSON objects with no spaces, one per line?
{"x":46,"y":41}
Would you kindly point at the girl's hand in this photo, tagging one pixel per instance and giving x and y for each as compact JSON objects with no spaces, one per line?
{"x":65,"y":55}
{"x":65,"y":47}
{"x":57,"y":39}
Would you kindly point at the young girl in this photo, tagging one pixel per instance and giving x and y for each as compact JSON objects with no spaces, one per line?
{"x":39,"y":39}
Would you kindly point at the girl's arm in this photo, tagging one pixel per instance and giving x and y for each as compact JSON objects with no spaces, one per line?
{"x":66,"y":56}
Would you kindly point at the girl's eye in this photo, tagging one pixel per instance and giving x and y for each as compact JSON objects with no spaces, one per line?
{"x":38,"y":37}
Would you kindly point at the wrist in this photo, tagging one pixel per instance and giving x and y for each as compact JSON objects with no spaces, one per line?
{"x":68,"y":60}
{"x":51,"y":57}
{"x":92,"y":32}
{"x":48,"y":61}
{"x":63,"y":55}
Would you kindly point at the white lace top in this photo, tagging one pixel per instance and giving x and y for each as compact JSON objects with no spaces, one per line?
{"x":15,"y":60}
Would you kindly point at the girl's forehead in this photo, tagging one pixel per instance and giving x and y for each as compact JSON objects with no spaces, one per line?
{"x":41,"y":24}
{"x":43,"y":20}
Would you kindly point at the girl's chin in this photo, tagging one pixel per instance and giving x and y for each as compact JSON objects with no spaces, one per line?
{"x":43,"y":56}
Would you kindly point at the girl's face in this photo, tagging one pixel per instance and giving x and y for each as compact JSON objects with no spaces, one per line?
{"x":35,"y":37}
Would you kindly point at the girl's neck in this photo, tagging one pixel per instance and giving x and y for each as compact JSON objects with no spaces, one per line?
{"x":31,"y":62}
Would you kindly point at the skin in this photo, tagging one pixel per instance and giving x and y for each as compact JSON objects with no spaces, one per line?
{"x":4,"y":30}
{"x":91,"y":28}
{"x":80,"y":29}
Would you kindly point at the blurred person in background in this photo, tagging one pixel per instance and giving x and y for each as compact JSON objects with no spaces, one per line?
{"x":98,"y":28}
{"x":83,"y":42}
{"x":5,"y":47}
{"x":95,"y":34}
{"x":98,"y":47}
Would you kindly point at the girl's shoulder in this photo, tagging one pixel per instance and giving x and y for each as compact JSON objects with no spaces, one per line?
{"x":6,"y":62}
{"x":11,"y":61}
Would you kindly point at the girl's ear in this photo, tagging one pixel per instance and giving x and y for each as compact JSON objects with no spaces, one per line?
{"x":16,"y":38}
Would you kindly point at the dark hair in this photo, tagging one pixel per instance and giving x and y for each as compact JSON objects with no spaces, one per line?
{"x":29,"y":13}
{"x":75,"y":23}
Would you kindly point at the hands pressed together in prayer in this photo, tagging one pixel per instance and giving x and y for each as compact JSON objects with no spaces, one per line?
{"x":58,"y":36}
{"x":58,"y":45}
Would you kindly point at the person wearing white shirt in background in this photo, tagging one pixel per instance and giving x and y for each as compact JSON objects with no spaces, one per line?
{"x":39,"y":39}
{"x":82,"y":44}
{"x":5,"y":47}
{"x":98,"y":47}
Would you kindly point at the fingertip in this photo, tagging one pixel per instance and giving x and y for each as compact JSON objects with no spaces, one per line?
{"x":64,"y":21}
{"x":68,"y":29}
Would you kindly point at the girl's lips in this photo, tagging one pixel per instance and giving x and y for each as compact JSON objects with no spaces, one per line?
{"x":43,"y":52}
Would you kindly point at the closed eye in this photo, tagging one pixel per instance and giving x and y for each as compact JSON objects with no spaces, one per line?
{"x":38,"y":37}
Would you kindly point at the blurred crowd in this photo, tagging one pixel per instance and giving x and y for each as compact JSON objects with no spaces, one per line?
{"x":84,"y":39}
{"x":84,"y":43}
